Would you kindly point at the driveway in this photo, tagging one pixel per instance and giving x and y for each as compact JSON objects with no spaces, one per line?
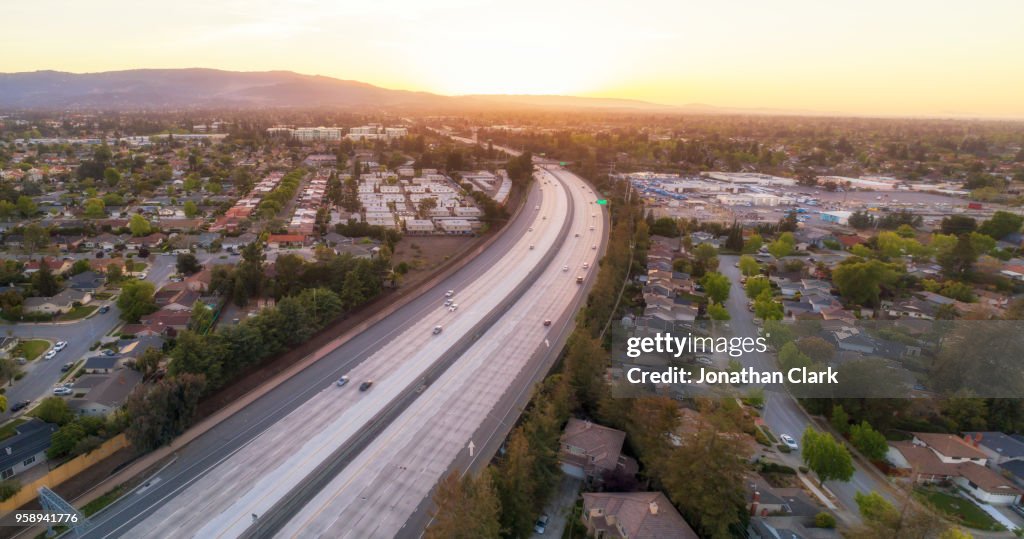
{"x":560,"y":506}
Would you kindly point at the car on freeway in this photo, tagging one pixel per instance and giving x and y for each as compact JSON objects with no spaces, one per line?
{"x":449,"y":293}
{"x":591,"y":228}
{"x":438,"y":329}
{"x":365,"y":385}
{"x":453,"y":307}
{"x":531,"y":246}
{"x":586,"y":265}
{"x":565,"y":268}
{"x":104,"y":309}
{"x":541,"y":525}
{"x":51,"y":354}
{"x":447,"y":302}
{"x":21,"y":405}
{"x":577,"y":234}
{"x":789,"y":441}
{"x":536,"y":208}
{"x":547,"y":322}
{"x":62,"y":391}
{"x":594,"y":247}
{"x":60,"y":345}
{"x":342,"y":381}
{"x":531,"y":229}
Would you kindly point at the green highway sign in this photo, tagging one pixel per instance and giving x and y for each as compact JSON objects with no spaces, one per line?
{"x":562,"y":163}
{"x":602,"y":201}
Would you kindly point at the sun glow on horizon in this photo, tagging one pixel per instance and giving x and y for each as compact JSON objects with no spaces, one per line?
{"x":911,"y":57}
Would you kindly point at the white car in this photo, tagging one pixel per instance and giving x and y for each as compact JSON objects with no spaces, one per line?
{"x":62,"y":391}
{"x":704,"y":360}
{"x":531,"y":229}
{"x":60,"y":346}
{"x":586,"y":265}
{"x":565,"y":268}
{"x":536,"y":207}
{"x":453,"y":307}
{"x":449,"y":293}
{"x":143,"y":275}
{"x":594,"y":247}
{"x":789,"y":441}
{"x":51,"y":354}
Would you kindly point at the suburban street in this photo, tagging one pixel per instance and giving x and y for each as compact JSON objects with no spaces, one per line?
{"x":782,"y":413}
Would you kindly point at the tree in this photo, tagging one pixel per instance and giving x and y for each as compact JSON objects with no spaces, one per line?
{"x":80,"y":266}
{"x":959,"y":261}
{"x":515,"y":486}
{"x":65,"y":439}
{"x":861,"y":220}
{"x":136,"y":300}
{"x":139,"y":226}
{"x":716,"y":286}
{"x":8,"y":370}
{"x":201,"y":319}
{"x":705,"y":252}
{"x":114,"y":273}
{"x":749,"y":266}
{"x":37,"y":238}
{"x":840,"y":419}
{"x":44,"y":281}
{"x":783,"y":246}
{"x":824,"y":520}
{"x":756,"y":285}
{"x":95,"y":208}
{"x":26,"y":206}
{"x":882,"y":519}
{"x":1001,"y":224}
{"x":956,"y":225}
{"x":861,"y":282}
{"x":705,"y":478}
{"x":190,"y":209}
{"x":753,"y":244}
{"x":149,"y":361}
{"x":466,"y":507}
{"x":766,"y":308}
{"x":868,"y":441}
{"x":54,"y":410}
{"x":159,"y":412}
{"x":7,"y":209}
{"x":665,"y":226}
{"x":826,"y":456}
{"x":188,"y":264}
{"x":716,"y":311}
{"x":816,"y":348}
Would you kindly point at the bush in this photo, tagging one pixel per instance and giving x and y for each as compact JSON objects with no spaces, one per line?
{"x":761,"y":438}
{"x":774,"y":467}
{"x":8,"y":488}
{"x":784,"y":448}
{"x":824,"y":520}
{"x":804,"y":469}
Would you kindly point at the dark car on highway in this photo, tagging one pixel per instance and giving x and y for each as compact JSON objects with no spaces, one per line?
{"x":365,"y":385}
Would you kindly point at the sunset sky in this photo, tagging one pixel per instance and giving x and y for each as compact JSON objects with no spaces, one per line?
{"x":891,"y":57}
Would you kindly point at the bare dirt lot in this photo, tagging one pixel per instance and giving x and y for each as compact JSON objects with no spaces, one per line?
{"x":424,"y":254}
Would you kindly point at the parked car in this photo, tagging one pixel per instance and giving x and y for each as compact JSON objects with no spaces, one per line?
{"x":704,"y":360}
{"x":67,"y":367}
{"x":789,"y":441}
{"x":21,"y":360}
{"x":541,"y":525}
{"x":108,"y":352}
{"x":365,"y":385}
{"x":342,"y":381}
{"x":18,"y":406}
{"x":62,"y":391}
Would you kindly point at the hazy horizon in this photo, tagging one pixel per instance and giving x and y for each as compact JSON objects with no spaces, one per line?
{"x":906,"y":59}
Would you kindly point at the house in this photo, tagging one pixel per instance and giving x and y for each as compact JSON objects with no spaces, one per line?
{"x":910,"y":308}
{"x":26,"y":448}
{"x":238,"y":242}
{"x":87,"y":281}
{"x":998,"y":447}
{"x":633,"y":515}
{"x":107,"y":392}
{"x":199,"y":282}
{"x":587,"y":450}
{"x":101,"y":364}
{"x":934,"y":457}
{"x":61,"y":302}
{"x":151,"y":241}
{"x":55,"y":266}
{"x":163,"y":322}
{"x":276,"y":241}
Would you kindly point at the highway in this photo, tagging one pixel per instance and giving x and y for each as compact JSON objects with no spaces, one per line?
{"x":243,"y":464}
{"x":386,"y":490}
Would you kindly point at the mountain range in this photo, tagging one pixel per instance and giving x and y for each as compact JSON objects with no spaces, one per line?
{"x":211,"y":88}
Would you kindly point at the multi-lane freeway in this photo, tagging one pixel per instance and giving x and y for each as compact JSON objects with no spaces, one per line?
{"x":249,"y":463}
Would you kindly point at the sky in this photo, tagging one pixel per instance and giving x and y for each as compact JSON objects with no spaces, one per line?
{"x":870,"y":57}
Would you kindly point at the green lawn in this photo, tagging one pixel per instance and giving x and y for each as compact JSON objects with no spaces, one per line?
{"x":78,"y":313}
{"x":94,"y":506}
{"x":7,"y":430}
{"x":959,"y":510}
{"x":102,"y":295}
{"x":31,"y":349}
